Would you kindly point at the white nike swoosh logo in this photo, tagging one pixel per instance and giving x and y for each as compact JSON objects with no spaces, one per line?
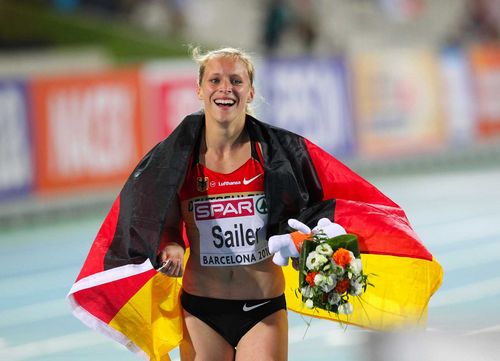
{"x":249,"y":308}
{"x":248,"y":181}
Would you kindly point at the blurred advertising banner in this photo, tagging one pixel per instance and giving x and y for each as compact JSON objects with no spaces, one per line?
{"x":397,"y":102}
{"x":485,"y":65}
{"x":308,"y":97}
{"x":15,"y":146}
{"x":87,"y":129}
{"x":403,"y":10}
{"x":170,"y":90}
{"x":457,"y":97}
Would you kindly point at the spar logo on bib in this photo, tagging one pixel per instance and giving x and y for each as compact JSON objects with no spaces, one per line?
{"x":224,"y":209}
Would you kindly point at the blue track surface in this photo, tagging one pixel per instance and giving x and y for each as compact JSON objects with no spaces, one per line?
{"x":456,"y":214}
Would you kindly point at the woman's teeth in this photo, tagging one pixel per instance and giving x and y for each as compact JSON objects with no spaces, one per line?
{"x":226,"y":102}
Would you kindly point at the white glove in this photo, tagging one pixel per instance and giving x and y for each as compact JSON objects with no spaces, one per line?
{"x":283,"y":247}
{"x":329,"y":228}
{"x":282,"y":244}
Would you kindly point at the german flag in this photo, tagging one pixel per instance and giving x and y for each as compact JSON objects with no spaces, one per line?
{"x":404,"y":274}
{"x":119,"y":292}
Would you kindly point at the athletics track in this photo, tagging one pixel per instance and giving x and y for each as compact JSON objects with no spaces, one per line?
{"x":456,"y":213}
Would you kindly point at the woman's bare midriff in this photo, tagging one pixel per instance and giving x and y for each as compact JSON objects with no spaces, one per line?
{"x":257,"y":281}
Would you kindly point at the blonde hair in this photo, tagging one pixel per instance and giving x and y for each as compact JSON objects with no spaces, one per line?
{"x":202,"y":59}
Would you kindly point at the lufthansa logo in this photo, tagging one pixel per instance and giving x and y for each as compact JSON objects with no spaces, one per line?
{"x":261,"y":205}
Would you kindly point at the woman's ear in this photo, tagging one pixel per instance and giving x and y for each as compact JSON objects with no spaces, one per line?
{"x":198,"y":92}
{"x":251,"y":94}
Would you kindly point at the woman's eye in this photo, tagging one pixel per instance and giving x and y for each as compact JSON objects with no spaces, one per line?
{"x":214,"y":81}
{"x":236,"y":81}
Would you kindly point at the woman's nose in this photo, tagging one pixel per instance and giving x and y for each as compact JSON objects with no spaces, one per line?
{"x":225,"y":86}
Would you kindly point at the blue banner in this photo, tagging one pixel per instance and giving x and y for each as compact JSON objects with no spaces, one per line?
{"x":458,"y":104}
{"x":309,"y":97}
{"x":16,"y":173}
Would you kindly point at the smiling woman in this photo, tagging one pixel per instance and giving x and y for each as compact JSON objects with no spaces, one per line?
{"x":233,"y":183}
{"x":227,"y":249}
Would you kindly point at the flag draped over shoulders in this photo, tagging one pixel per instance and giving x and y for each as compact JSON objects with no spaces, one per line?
{"x":120,"y":293}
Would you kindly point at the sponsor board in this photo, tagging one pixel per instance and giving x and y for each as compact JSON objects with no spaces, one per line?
{"x":485,"y":65}
{"x":88,"y":129}
{"x":170,"y":93}
{"x":397,"y":102}
{"x":15,"y":145}
{"x":457,"y":97}
{"x":309,"y":97}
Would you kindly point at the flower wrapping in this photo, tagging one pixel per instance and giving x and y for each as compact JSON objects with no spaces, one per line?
{"x":330,"y":272}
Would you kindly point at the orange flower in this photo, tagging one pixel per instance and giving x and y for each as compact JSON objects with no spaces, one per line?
{"x":310,"y":278}
{"x":342,"y":286}
{"x":342,"y":257}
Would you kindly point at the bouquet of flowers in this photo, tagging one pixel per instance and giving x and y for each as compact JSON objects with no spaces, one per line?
{"x":330,"y":272}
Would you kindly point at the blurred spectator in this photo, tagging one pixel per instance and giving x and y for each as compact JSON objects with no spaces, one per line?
{"x":111,"y":7}
{"x":306,"y":21}
{"x":481,"y":22}
{"x":160,"y":16}
{"x":277,"y":14}
{"x":295,"y":18}
{"x":176,"y":9}
{"x":403,"y":10}
{"x":65,"y":6}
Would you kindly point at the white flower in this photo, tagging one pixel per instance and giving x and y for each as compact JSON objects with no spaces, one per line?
{"x":309,"y":303}
{"x":352,"y":257}
{"x":337,"y":270}
{"x":325,"y":283}
{"x":307,"y":291}
{"x":333,"y":298}
{"x":324,"y":249}
{"x":356,"y":266}
{"x":356,"y":288}
{"x":314,"y":260}
{"x":345,"y":308}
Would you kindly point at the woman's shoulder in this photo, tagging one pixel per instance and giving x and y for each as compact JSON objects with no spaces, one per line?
{"x":177,"y":146}
{"x":185,"y":132}
{"x":273,"y":130}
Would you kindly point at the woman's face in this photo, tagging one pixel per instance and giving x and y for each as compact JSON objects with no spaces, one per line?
{"x":225,"y":90}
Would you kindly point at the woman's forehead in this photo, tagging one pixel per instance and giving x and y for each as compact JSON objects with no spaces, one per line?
{"x":225,"y":65}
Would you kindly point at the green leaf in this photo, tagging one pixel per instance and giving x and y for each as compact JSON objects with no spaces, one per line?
{"x":346,"y":241}
{"x":307,"y":247}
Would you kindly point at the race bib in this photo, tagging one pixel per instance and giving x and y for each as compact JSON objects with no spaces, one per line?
{"x":232,"y":231}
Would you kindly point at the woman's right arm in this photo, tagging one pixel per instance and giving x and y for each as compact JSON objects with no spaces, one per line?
{"x":172,"y":254}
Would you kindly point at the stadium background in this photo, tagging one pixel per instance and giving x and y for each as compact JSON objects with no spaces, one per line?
{"x":403,"y":91}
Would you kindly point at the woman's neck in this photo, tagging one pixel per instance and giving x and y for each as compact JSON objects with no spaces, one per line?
{"x":223,"y":150}
{"x":222,"y":140}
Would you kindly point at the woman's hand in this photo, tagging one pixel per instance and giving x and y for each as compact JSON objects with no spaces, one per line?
{"x":286,"y":246}
{"x":172,"y":259}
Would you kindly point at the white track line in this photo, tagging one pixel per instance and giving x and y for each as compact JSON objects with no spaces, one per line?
{"x":37,"y":281}
{"x":459,"y":231}
{"x":490,"y":329}
{"x":34,"y":312}
{"x":52,"y":345}
{"x":330,"y":332}
{"x":59,"y":344}
{"x":472,"y":256}
{"x":467,"y":293}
